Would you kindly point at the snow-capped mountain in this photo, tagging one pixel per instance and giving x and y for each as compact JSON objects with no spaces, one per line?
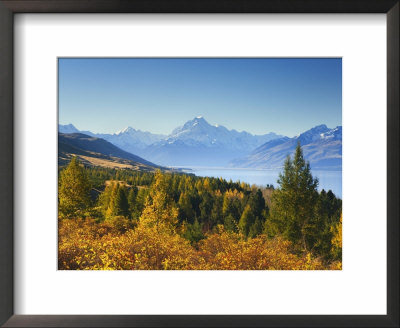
{"x":198,"y":143}
{"x":132,"y":140}
{"x":322,"y":147}
{"x":200,"y":131}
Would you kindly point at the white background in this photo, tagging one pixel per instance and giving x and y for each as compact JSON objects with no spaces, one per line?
{"x":360,"y":288}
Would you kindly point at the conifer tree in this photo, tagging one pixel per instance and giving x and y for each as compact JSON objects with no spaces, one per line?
{"x":337,"y":240}
{"x":74,"y":191}
{"x":160,"y":209}
{"x":120,"y":202}
{"x":256,"y":228}
{"x":105,"y":198}
{"x":132,"y":198}
{"x":186,"y":211}
{"x":193,"y":232}
{"x":139,"y":203}
{"x":111,"y":210}
{"x":257,"y":203}
{"x":230,"y":224}
{"x":216,"y":212}
{"x":294,"y":203}
{"x":226,"y":206}
{"x":205,"y":208}
{"x":246,"y":220}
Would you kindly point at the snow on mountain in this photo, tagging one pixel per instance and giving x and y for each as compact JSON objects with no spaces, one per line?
{"x":199,"y":131}
{"x":197,"y":143}
{"x":132,"y":140}
{"x":322,"y":147}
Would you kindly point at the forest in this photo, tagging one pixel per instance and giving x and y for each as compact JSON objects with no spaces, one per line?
{"x":122,"y":219}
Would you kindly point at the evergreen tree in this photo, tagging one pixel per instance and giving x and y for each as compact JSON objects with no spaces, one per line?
{"x":294,"y":203}
{"x":111,"y":210}
{"x":105,"y":199}
{"x":336,"y":250}
{"x":205,"y":207}
{"x":74,"y":191}
{"x":132,"y":198}
{"x":186,"y":211}
{"x":246,"y":220}
{"x":160,"y":209}
{"x":257,"y":203}
{"x":230,"y":224}
{"x":193,"y":232}
{"x":328,"y":216}
{"x":256,"y":228}
{"x":226,"y":206}
{"x":216,"y":212}
{"x":120,"y":202}
{"x":139,"y":203}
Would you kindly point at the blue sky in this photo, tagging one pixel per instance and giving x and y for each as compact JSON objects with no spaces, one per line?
{"x":286,"y":96}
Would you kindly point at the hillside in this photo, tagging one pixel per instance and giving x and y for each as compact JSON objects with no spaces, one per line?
{"x":129,"y":139}
{"x":94,"y":151}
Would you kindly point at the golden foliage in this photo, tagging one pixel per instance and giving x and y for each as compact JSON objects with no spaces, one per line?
{"x":229,"y":251}
{"x":87,"y":245}
{"x":337,"y":235}
{"x":337,"y":240}
{"x":159,"y":207}
{"x":234,"y":194}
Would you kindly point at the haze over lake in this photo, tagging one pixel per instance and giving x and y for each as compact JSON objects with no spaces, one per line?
{"x":327,"y":179}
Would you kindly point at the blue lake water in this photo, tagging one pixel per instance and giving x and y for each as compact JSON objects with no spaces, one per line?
{"x":327,"y":179}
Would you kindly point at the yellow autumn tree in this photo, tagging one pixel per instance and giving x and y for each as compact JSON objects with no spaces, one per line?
{"x":337,"y":240}
{"x":74,"y":191}
{"x":160,"y":209}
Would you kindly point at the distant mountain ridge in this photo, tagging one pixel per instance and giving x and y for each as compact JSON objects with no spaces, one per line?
{"x":198,"y":143}
{"x":322,"y":147}
{"x":128,"y":139}
{"x":195,"y":143}
{"x":97,"y":152}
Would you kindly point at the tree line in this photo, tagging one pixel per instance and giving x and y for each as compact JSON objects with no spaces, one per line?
{"x":197,"y":207}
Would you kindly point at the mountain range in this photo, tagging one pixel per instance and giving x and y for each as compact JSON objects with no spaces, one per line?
{"x":198,"y":143}
{"x":322,"y":147}
{"x":128,"y":139}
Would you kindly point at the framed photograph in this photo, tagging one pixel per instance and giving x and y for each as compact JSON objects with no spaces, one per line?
{"x":199,"y":164}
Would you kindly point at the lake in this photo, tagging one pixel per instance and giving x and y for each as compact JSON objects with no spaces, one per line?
{"x":327,"y":179}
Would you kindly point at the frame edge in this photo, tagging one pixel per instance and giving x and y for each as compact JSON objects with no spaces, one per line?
{"x":6,"y":200}
{"x":393,"y":167}
{"x":6,"y":165}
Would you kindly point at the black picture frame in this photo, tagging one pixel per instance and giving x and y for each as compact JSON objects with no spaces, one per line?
{"x":10,"y":7}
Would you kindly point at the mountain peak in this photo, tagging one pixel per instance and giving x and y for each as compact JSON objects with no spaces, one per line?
{"x":313,"y":134}
{"x":319,"y":127}
{"x":128,"y":129}
{"x":68,"y":128}
{"x":199,"y":119}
